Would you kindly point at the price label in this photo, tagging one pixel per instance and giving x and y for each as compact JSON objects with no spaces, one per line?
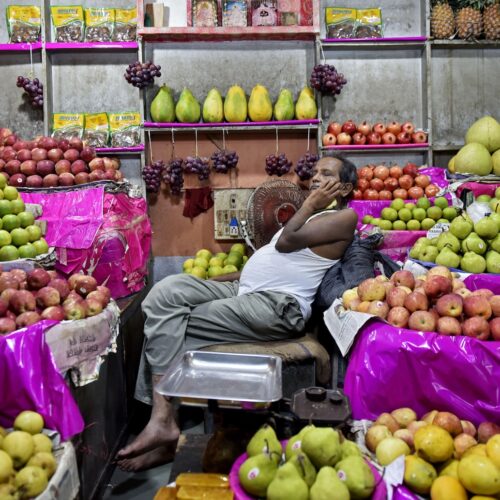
{"x":437,"y":229}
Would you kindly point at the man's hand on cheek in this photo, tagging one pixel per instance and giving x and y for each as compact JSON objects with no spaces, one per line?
{"x":323,"y":196}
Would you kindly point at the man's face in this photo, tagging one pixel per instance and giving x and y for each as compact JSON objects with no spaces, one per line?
{"x":326,"y":169}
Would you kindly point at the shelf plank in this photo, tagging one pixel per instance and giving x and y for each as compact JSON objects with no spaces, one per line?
{"x":446,"y":147}
{"x":51,"y":46}
{"x":460,"y":44}
{"x":378,"y":147}
{"x":283,"y":125}
{"x":190,"y":34}
{"x":130,"y":150}
{"x":20,"y":47}
{"x":400,"y":42}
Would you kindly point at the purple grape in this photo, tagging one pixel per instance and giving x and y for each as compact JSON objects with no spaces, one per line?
{"x":33,"y":89}
{"x":152,"y":175}
{"x":198,"y":165}
{"x":141,"y":75}
{"x":278,"y":165}
{"x":305,"y":166}
{"x":174,"y":175}
{"x":223,"y":161}
{"x":327,"y":80}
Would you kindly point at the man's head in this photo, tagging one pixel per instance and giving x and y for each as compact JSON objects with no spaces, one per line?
{"x":336,"y":167}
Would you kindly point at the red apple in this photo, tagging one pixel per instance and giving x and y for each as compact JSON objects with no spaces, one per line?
{"x":7,"y":325}
{"x":17,"y":180}
{"x":476,"y":327}
{"x":359,"y":139}
{"x":62,"y":166}
{"x":34,"y":181}
{"x":384,"y":195}
{"x":76,"y":143}
{"x":379,"y":128}
{"x":53,"y":312}
{"x":406,"y":181}
{"x":349,"y":127}
{"x":495,"y":328}
{"x":408,"y":127}
{"x":55,"y":154}
{"x":398,"y":316}
{"x":27,"y":318}
{"x":334,"y":128}
{"x":22,"y":301}
{"x":396,"y":297}
{"x":23,"y":155}
{"x":374,"y":138}
{"x":477,"y":305}
{"x":394,"y":128}
{"x":94,"y":306}
{"x":419,"y":137}
{"x":344,"y":139}
{"x":415,"y":192}
{"x":486,"y":430}
{"x":45,"y":167}
{"x":47,"y":296}
{"x":364,"y":128}
{"x":85,"y":284}
{"x":13,"y":167}
{"x":422,"y":321}
{"x":395,"y":172}
{"x":378,"y":308}
{"x":450,"y":304}
{"x":19,"y":145}
{"x":403,"y":138}
{"x":377,"y":184}
{"x":483,"y":291}
{"x":71,"y":155}
{"x":431,"y":190}
{"x":389,"y":138}
{"x":400,"y":193}
{"x":74,"y":310}
{"x":38,"y":278}
{"x":28,"y":167}
{"x":435,"y":286}
{"x":38,"y":154}
{"x":365,"y":173}
{"x":416,"y":301}
{"x":370,"y":194}
{"x":51,"y":180}
{"x":403,"y":278}
{"x":106,"y":292}
{"x":329,"y":140}
{"x":495,"y":305}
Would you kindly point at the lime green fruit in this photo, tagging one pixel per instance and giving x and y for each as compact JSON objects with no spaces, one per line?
{"x":199,"y":272}
{"x":5,"y":206}
{"x":27,"y":251}
{"x":238,"y":248}
{"x":19,"y":236}
{"x":200,"y":262}
{"x":413,"y":225}
{"x":483,"y":198}
{"x":234,"y":259}
{"x":441,"y":202}
{"x":10,"y":193}
{"x":419,"y":214}
{"x":5,"y":238}
{"x":367,"y":219}
{"x":10,"y":222}
{"x":215,"y":262}
{"x":389,"y":214}
{"x":450,"y":213}
{"x":399,"y":225}
{"x":375,"y":221}
{"x":41,"y":246}
{"x":17,"y":206}
{"x":386,"y":225}
{"x":423,"y":203}
{"x":187,"y":265}
{"x":26,"y":218}
{"x":9,"y":252}
{"x":427,"y":223}
{"x":228,"y":268}
{"x":204,"y":254}
{"x":434,"y":212}
{"x":3,"y":183}
{"x":215,"y":271}
{"x":410,"y":206}
{"x":35,"y":233}
{"x":397,"y":204}
{"x":405,"y":214}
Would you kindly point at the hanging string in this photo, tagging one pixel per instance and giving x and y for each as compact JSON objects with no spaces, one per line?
{"x":150,"y":147}
{"x":173,"y":143}
{"x":223,"y":139}
{"x":321,"y":52}
{"x":277,"y":142}
{"x":32,"y":69}
{"x":308,"y":137}
{"x":196,"y":141}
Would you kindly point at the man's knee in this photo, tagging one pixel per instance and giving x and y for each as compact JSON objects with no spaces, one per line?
{"x":168,"y":289}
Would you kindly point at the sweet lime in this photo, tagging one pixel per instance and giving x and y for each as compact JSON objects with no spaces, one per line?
{"x":423,"y":203}
{"x":187,"y":265}
{"x":5,"y":207}
{"x":35,"y":232}
{"x":228,"y":268}
{"x":9,"y":252}
{"x":10,"y":222}
{"x":397,"y":204}
{"x":41,"y":246}
{"x":26,"y":218}
{"x":17,"y":206}
{"x":5,"y":238}
{"x":3,"y":182}
{"x":215,"y":271}
{"x":238,"y":248}
{"x":10,"y":193}
{"x":199,"y":272}
{"x":441,"y":202}
{"x":200,"y":262}
{"x":234,"y":259}
{"x":27,"y":251}
{"x":19,"y":236}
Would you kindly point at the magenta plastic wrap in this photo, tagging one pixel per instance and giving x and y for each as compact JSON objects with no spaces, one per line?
{"x":30,"y":381}
{"x":391,"y":368}
{"x":478,"y":188}
{"x":119,"y":253}
{"x":396,"y":244}
{"x":403,"y":493}
{"x":73,"y":217}
{"x":489,"y":281}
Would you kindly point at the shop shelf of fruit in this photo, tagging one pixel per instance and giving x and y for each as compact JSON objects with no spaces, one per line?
{"x":379,"y":43}
{"x":130,"y":150}
{"x":460,"y":44}
{"x":290,"y":124}
{"x":92,"y":46}
{"x":20,"y":47}
{"x":384,"y":147}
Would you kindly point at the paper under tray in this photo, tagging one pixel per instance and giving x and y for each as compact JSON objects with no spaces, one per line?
{"x":223,"y":376}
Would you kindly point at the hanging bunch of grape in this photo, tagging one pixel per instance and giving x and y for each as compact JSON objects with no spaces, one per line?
{"x":152,"y":175}
{"x":199,"y":166}
{"x":224,"y":161}
{"x":174,"y":175}
{"x":327,"y":80}
{"x":305,"y":166}
{"x":33,"y":89}
{"x":141,"y":75}
{"x":278,"y":164}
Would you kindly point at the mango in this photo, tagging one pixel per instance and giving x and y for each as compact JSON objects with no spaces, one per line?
{"x":479,"y":475}
{"x":284,"y":108}
{"x":305,"y":108}
{"x":187,"y":109}
{"x":162,"y":107}
{"x":446,"y":488}
{"x":235,"y":105}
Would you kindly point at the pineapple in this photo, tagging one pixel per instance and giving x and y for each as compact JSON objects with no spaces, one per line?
{"x":442,"y":20}
{"x":491,"y":18}
{"x":469,"y":19}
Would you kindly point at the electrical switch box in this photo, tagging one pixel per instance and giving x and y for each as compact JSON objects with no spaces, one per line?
{"x":230,"y":208}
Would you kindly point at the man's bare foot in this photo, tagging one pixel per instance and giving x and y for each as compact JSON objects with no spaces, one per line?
{"x":153,"y":458}
{"x":157,"y":433}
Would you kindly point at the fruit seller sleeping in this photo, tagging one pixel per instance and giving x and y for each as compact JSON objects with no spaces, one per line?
{"x":270,"y":301}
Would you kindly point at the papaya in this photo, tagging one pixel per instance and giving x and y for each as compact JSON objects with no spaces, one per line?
{"x":260,"y":108}
{"x":162,"y":107}
{"x":305,"y":107}
{"x":213,"y":107}
{"x":284,"y":108}
{"x":187,"y":109}
{"x":235,"y":105}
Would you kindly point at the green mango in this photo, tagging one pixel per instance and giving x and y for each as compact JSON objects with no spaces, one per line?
{"x":213,"y":107}
{"x":284,"y":108}
{"x":187,"y":109}
{"x":162,"y":107}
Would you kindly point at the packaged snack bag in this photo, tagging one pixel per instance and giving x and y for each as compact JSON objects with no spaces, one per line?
{"x":68,"y":23}
{"x":23,"y":23}
{"x":99,"y":24}
{"x":96,"y":133}
{"x":369,"y":23}
{"x":340,"y":22}
{"x":125,"y":25}
{"x":67,"y":125}
{"x":125,"y":129}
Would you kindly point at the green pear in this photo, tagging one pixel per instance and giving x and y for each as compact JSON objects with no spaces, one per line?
{"x":428,"y":254}
{"x":256,"y":473}
{"x":473,"y":243}
{"x":486,"y":228}
{"x":284,"y":109}
{"x":304,"y":467}
{"x":461,"y":227}
{"x":287,"y":485}
{"x":423,"y":241}
{"x":448,"y":258}
{"x":415,"y":251}
{"x":162,"y":107}
{"x":495,"y":243}
{"x":493,"y":262}
{"x":449,"y":240}
{"x":357,"y":476}
{"x":473,"y":263}
{"x":187,"y":109}
{"x":294,"y":444}
{"x":265,"y":441}
{"x":496,"y":217}
{"x":322,"y":446}
{"x":349,"y":449}
{"x":328,"y":486}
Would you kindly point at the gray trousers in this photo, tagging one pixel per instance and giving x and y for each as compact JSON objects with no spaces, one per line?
{"x":185,"y":313}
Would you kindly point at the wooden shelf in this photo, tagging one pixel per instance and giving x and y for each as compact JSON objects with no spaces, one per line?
{"x":375,"y":43}
{"x":284,"y":125}
{"x":53,"y":46}
{"x":20,"y":47}
{"x":130,"y":150}
{"x":379,"y":147}
{"x":464,"y":44}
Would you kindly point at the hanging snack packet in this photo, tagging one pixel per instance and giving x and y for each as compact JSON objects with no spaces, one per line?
{"x":234,"y":13}
{"x":67,"y":125}
{"x":125,"y":25}
{"x":125,"y":129}
{"x":369,"y":23}
{"x":23,"y":23}
{"x":99,"y":24}
{"x":96,"y":134}
{"x":264,"y":13}
{"x":205,"y":13}
{"x":68,"y":23}
{"x":340,"y":22}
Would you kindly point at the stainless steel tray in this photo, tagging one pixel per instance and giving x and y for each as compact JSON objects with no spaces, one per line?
{"x":223,"y":376}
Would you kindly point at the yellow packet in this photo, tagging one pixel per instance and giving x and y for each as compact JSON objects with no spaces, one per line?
{"x":96,"y":132}
{"x":201,"y":493}
{"x":125,"y":25}
{"x":369,"y":23}
{"x":99,"y":24}
{"x":68,"y":23}
{"x":67,"y":125}
{"x":206,"y":480}
{"x":125,"y":129}
{"x":340,"y":22}
{"x":23,"y":23}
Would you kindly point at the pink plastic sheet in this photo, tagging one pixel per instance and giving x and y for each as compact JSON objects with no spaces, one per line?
{"x":489,"y":281}
{"x":390,"y":368}
{"x":396,"y":244}
{"x":30,"y":380}
{"x":73,"y":217}
{"x":478,"y":188}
